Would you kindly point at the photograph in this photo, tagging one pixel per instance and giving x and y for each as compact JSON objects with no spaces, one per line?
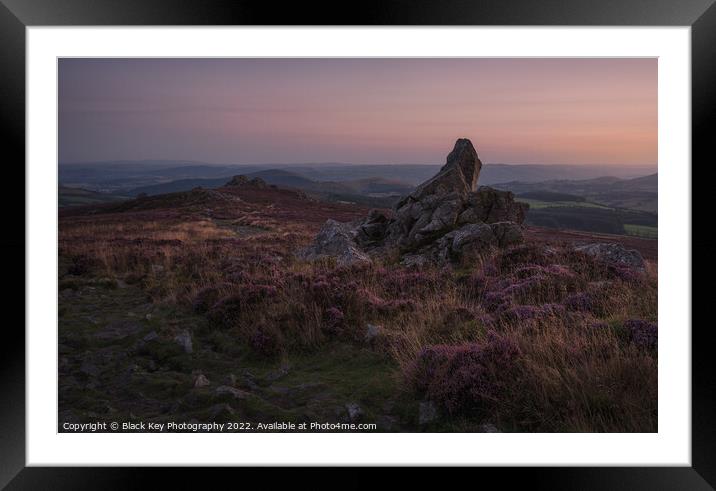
{"x":357,"y":244}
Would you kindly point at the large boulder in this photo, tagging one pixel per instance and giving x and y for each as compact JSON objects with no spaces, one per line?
{"x":614,"y":254}
{"x":336,"y":240}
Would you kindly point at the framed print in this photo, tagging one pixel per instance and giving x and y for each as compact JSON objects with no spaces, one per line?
{"x":436,"y":235}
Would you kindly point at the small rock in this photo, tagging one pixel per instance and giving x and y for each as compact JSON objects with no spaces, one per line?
{"x":221,"y":412}
{"x":427,"y":412}
{"x":277,"y":374}
{"x":148,"y":317}
{"x":354,"y":411}
{"x":489,"y":428}
{"x":371,"y":332}
{"x":232,"y":391}
{"x":184,"y":340}
{"x":201,"y":381}
{"x":614,"y":253}
{"x":231,"y":380}
{"x":150,"y":337}
{"x":414,"y":260}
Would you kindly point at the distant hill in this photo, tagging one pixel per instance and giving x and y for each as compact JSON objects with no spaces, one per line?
{"x":370,"y":192}
{"x":121,"y":175}
{"x":77,"y":196}
{"x":639,"y":193}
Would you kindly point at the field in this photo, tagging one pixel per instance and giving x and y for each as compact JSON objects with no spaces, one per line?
{"x":642,"y":231}
{"x":193,"y":306}
{"x":538,"y":204}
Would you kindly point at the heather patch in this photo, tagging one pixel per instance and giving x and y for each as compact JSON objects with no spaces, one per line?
{"x":464,"y":378}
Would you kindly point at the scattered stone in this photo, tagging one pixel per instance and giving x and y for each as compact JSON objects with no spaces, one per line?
{"x":614,"y":253}
{"x":152,"y":336}
{"x":354,"y":411}
{"x":371,"y":332}
{"x":232,"y":391}
{"x":183,"y":339}
{"x":201,"y":381}
{"x":427,"y":412}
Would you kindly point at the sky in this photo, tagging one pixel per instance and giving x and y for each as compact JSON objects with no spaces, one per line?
{"x":359,"y":110}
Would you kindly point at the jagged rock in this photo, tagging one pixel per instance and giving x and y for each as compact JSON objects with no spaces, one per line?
{"x":458,"y":175}
{"x":614,"y":253}
{"x":433,"y":208}
{"x":337,"y":240}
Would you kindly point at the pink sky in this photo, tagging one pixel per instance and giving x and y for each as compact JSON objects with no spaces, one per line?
{"x":546,"y":111}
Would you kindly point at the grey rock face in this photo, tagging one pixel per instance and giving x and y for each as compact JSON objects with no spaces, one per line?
{"x":491,"y":205}
{"x":614,"y":253}
{"x":336,"y":239}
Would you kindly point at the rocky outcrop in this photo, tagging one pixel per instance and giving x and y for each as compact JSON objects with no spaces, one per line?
{"x":443,"y":219}
{"x":451,"y":199}
{"x":614,"y":254}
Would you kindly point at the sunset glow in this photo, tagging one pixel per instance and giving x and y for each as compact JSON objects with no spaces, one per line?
{"x":546,"y":111}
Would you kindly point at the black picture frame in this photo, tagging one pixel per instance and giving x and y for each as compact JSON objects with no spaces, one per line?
{"x":16,"y":15}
